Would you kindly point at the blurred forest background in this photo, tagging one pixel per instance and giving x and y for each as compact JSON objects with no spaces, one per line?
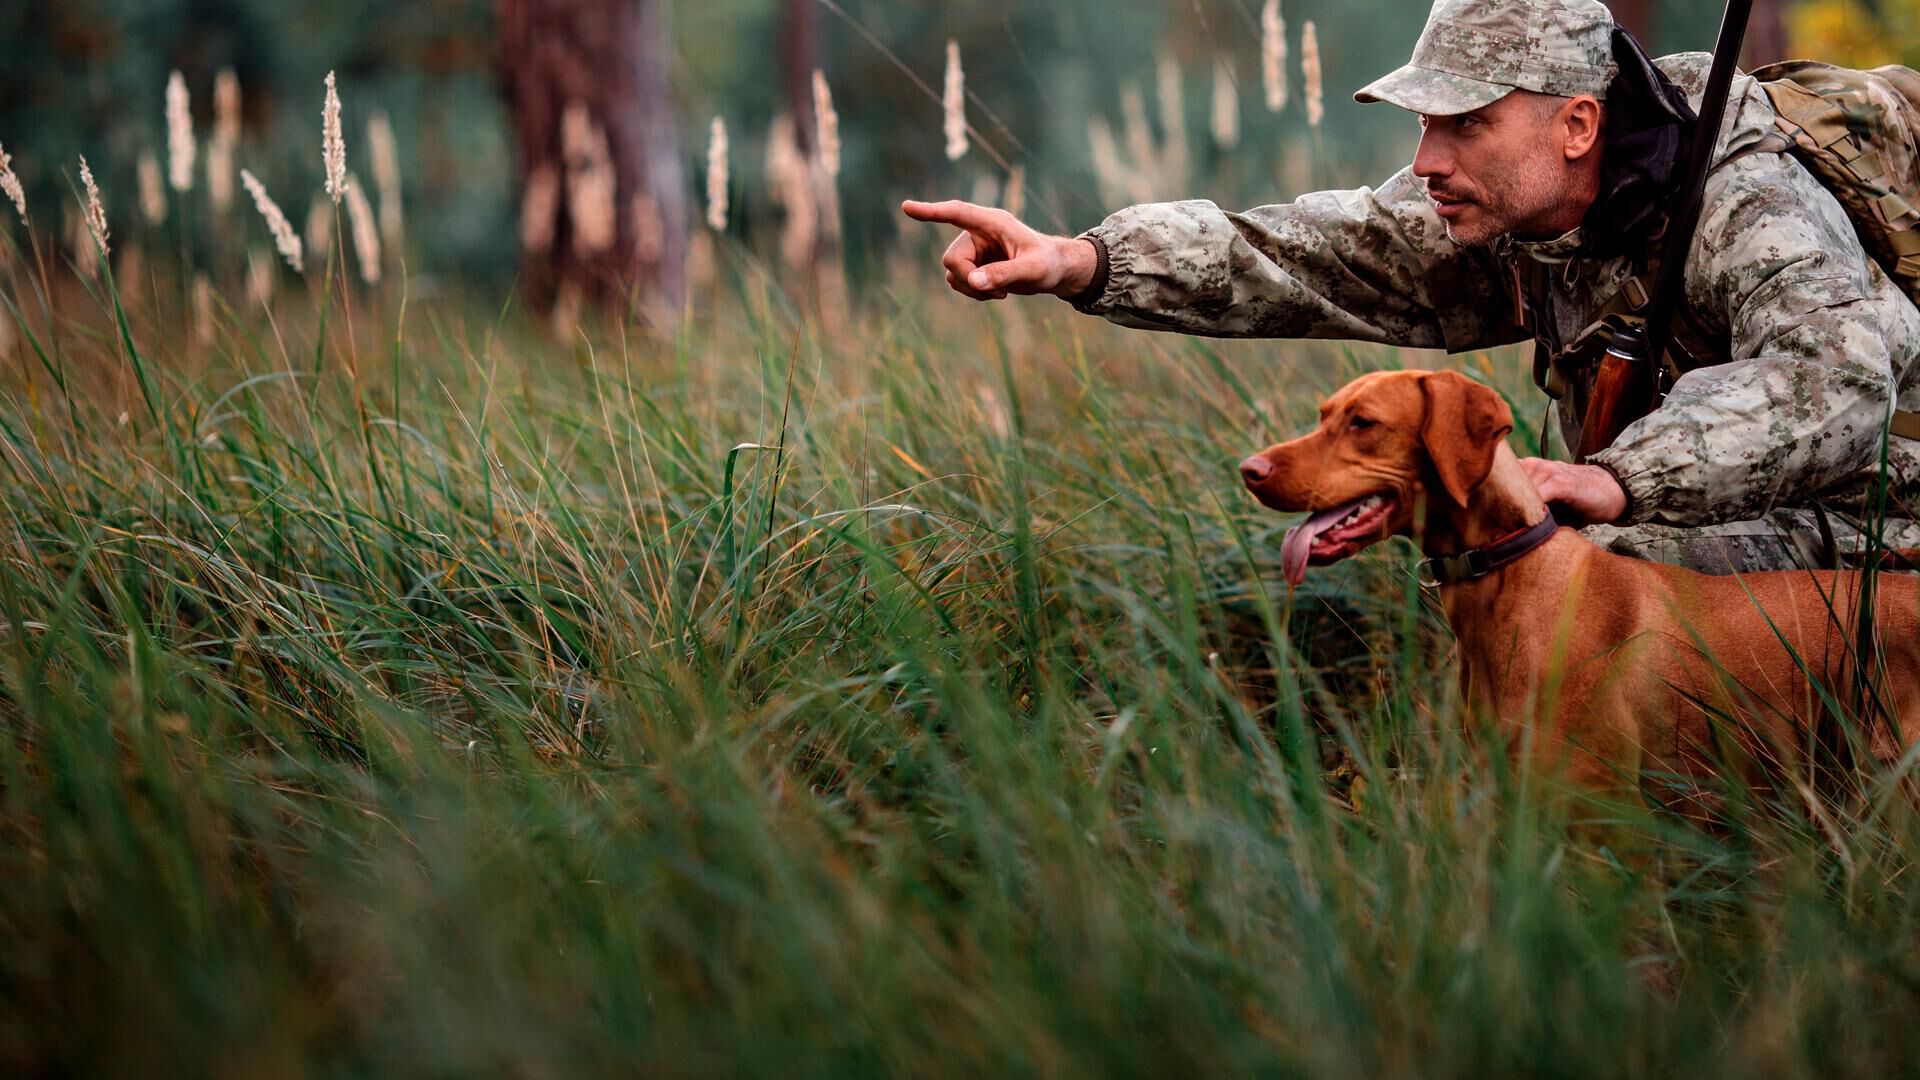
{"x":474,"y":90}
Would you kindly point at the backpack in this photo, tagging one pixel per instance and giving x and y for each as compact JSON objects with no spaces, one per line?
{"x":1858,"y":133}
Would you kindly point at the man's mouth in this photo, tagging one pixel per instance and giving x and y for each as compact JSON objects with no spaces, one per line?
{"x":1448,"y":206}
{"x":1334,"y":534}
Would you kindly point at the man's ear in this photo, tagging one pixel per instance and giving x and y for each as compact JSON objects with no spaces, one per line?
{"x":1464,"y":425}
{"x":1582,"y":118}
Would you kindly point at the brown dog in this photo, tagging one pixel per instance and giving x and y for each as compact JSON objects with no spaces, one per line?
{"x":1611,"y":667}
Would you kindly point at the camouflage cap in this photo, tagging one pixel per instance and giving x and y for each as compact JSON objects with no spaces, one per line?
{"x":1475,"y":52}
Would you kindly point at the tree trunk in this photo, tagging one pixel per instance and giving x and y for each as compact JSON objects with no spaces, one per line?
{"x":604,"y":206}
{"x":1637,"y":16}
{"x":1766,"y":35}
{"x":809,"y":247}
{"x":799,"y":55}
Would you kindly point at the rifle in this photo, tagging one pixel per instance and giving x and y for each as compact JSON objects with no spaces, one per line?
{"x":1628,"y":384}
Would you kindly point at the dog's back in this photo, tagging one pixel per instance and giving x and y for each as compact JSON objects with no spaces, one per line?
{"x":1776,"y":654}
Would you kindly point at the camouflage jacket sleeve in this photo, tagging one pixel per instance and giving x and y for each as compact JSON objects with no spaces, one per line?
{"x":1814,"y":328}
{"x":1360,"y":265}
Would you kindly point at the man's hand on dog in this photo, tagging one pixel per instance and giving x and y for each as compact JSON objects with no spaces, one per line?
{"x":1589,"y":491}
{"x":996,"y":255}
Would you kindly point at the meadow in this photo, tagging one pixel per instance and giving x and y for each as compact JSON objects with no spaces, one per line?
{"x":391,"y":688}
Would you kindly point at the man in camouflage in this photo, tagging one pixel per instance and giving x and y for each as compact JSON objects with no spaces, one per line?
{"x":1797,"y":344}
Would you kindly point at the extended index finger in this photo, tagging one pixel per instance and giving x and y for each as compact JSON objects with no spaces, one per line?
{"x":952,"y":212}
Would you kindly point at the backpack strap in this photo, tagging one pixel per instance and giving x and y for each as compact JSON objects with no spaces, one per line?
{"x":1906,"y":244}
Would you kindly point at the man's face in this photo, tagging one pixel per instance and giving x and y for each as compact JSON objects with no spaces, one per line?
{"x":1499,"y":169}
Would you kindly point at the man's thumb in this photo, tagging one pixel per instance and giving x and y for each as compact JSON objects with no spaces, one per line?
{"x":1001,"y":275}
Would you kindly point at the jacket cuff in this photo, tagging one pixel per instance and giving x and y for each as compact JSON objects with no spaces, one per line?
{"x":1639,"y":487}
{"x":1086,"y":298}
{"x":1626,"y":512}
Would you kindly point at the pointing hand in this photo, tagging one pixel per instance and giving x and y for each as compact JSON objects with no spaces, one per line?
{"x":996,"y":255}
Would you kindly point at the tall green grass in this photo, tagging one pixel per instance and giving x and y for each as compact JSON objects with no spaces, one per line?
{"x":914,"y":695}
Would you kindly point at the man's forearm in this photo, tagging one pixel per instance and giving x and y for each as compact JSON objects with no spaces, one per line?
{"x":1360,"y":265}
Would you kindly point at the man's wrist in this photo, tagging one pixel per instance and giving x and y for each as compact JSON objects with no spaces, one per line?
{"x":1084,"y":279}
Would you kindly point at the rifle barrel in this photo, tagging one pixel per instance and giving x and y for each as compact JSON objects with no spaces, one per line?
{"x":1686,"y":219}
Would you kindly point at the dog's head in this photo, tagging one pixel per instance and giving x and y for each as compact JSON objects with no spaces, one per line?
{"x":1384,"y":442}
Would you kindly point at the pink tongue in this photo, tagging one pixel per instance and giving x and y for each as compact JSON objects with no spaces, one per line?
{"x":1298,"y":543}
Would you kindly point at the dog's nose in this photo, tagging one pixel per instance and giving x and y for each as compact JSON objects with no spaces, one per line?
{"x":1255,"y":469}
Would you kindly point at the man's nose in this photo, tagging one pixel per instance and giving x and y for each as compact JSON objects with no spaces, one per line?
{"x":1431,"y":159}
{"x":1255,"y":470}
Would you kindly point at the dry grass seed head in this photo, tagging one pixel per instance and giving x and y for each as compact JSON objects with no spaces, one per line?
{"x":153,"y":191}
{"x":1173,"y":122}
{"x":180,"y":145}
{"x":366,"y":234}
{"x":96,"y":215}
{"x":226,"y":139}
{"x":1108,"y":172}
{"x":592,"y":185}
{"x":1273,"y":55}
{"x":333,"y":145}
{"x":953,"y":102}
{"x":717,"y":175}
{"x":202,"y":309}
{"x":1226,"y":104}
{"x":790,"y":180}
{"x":219,"y":175}
{"x":10,"y":184}
{"x":1310,"y":73}
{"x":826,"y":125}
{"x":384,"y":151}
{"x":226,"y":106}
{"x":1143,"y":172}
{"x":277,"y":223}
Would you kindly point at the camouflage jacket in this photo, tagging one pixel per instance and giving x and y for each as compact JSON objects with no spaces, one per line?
{"x":1807,"y":344}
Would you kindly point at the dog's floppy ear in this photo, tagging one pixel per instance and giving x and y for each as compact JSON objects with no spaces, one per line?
{"x":1464,"y":425}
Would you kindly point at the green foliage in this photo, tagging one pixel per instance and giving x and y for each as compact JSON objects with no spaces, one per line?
{"x":408,"y":693}
{"x":1857,"y":34}
{"x":85,"y":76}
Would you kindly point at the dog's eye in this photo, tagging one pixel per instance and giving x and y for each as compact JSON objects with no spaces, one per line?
{"x":1361,"y":423}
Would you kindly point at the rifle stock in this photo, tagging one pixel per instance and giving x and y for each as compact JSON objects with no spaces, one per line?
{"x":1623,"y":392}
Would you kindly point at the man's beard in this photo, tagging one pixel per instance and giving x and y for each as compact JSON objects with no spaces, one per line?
{"x":1476,"y":234}
{"x":1530,"y":194}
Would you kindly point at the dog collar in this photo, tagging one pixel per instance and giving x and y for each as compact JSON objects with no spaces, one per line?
{"x":1479,"y":562}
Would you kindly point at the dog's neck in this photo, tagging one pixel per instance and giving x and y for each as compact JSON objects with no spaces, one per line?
{"x":1506,"y":503}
